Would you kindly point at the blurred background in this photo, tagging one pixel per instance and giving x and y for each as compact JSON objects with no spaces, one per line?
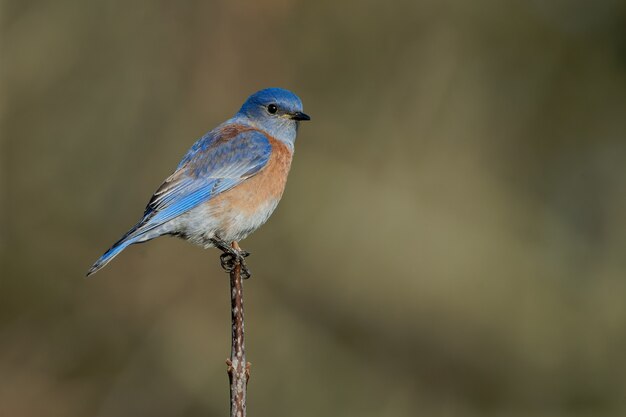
{"x":452,"y":240}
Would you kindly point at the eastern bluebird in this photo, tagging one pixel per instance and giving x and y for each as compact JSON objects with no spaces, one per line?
{"x":229,"y":182}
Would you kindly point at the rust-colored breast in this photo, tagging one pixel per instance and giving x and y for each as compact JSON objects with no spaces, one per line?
{"x":263,"y":187}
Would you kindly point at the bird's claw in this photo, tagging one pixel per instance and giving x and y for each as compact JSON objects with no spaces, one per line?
{"x":229,"y":260}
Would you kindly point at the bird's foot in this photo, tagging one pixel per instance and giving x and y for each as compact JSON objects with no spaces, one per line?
{"x":231,"y":258}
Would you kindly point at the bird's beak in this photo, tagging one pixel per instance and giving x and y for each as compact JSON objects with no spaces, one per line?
{"x":299,"y":116}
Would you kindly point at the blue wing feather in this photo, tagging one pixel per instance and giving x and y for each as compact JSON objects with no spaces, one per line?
{"x":210,"y":167}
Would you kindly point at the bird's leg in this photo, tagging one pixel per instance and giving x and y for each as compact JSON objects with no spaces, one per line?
{"x":231,"y":257}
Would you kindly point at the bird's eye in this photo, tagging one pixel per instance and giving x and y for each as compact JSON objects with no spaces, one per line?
{"x":272,"y":108}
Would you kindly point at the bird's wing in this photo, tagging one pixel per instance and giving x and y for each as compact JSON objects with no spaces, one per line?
{"x":216,"y":163}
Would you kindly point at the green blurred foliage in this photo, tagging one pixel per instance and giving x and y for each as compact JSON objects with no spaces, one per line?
{"x":452,"y":241}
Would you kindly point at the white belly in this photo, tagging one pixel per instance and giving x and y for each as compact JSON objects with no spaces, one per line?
{"x":207,"y":221}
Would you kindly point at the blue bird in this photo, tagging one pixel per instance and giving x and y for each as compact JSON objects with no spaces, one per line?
{"x":229,"y":182}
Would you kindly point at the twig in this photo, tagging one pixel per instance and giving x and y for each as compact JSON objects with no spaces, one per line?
{"x":238,"y":369}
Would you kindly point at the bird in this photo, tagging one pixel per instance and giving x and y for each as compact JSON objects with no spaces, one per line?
{"x":228,"y":184}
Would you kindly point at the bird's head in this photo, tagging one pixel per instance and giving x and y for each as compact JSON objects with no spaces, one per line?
{"x":275,"y":111}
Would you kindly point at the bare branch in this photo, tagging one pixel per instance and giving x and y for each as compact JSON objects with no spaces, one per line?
{"x":238,"y":369}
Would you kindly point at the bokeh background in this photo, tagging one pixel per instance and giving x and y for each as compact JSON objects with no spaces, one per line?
{"x":452,"y":240}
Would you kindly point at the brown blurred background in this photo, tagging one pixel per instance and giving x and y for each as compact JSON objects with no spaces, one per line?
{"x":452,"y":240}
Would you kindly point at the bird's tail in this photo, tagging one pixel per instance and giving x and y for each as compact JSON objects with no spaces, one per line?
{"x":108,"y":256}
{"x":134,"y":235}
